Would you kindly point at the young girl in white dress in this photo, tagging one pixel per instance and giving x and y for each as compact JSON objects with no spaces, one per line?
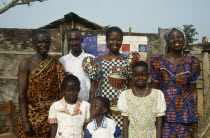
{"x":68,"y":117}
{"x":141,"y":106}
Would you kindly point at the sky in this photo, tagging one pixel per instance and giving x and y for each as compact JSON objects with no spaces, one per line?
{"x":143,"y":16}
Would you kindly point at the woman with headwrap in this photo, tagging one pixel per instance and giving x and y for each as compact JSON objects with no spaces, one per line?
{"x":176,"y":75}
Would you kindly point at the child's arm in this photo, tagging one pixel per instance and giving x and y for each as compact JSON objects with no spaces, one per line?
{"x":93,"y":88}
{"x":159,"y":127}
{"x":125,"y":126}
{"x":84,"y":127}
{"x":87,"y":119}
{"x":54,"y":128}
{"x":53,"y":120}
{"x":160,"y":111}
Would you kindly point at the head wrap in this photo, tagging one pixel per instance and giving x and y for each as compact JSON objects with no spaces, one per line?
{"x":174,"y":28}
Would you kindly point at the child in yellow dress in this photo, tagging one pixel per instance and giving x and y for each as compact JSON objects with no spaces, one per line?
{"x":141,"y":106}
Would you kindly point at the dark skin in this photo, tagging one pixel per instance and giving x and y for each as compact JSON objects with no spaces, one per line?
{"x":125,"y":126}
{"x":176,"y":44}
{"x":27,"y":65}
{"x":97,"y":110}
{"x":74,"y":40}
{"x":71,"y":91}
{"x":114,"y":42}
{"x":140,"y":76}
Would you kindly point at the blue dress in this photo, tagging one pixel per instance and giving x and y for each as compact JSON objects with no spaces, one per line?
{"x":174,"y":82}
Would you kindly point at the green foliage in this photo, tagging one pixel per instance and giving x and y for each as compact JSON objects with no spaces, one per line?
{"x":106,"y":27}
{"x":190,"y":32}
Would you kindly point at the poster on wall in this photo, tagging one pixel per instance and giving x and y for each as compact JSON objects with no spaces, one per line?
{"x":102,"y":49}
{"x":130,"y":44}
{"x":134,"y":42}
{"x":90,"y":44}
{"x":142,"y":48}
{"x":96,"y":45}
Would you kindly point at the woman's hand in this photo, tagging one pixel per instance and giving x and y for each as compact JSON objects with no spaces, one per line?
{"x":194,"y":127}
{"x":125,"y":126}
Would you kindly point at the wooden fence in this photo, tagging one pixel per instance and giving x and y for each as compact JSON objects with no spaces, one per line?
{"x":202,"y":53}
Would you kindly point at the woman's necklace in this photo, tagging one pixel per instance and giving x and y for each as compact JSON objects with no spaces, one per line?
{"x":138,"y":94}
{"x":173,"y":59}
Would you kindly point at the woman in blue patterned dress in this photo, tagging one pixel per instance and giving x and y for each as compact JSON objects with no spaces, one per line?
{"x":110,"y":73}
{"x":176,"y":75}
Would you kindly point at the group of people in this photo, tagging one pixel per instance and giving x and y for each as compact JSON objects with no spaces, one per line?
{"x":107,"y":96}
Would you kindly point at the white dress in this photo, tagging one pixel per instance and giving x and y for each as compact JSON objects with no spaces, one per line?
{"x":70,"y":124}
{"x":142,"y":112}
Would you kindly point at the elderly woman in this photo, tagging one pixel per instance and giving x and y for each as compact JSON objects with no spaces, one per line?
{"x":110,"y":73}
{"x":176,"y":75}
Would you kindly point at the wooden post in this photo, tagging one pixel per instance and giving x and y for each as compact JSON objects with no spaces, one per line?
{"x":11,"y":117}
{"x":205,"y":64}
{"x":130,"y":30}
{"x":65,"y":45}
{"x":72,"y":23}
{"x":163,"y":45}
{"x":62,"y":39}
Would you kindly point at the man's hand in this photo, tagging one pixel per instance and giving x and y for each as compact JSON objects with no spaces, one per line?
{"x":27,"y":129}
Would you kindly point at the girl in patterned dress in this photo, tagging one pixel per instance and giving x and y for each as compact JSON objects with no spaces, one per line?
{"x":142,"y":107}
{"x":110,"y":73}
{"x":69,"y":116}
{"x":176,"y":75}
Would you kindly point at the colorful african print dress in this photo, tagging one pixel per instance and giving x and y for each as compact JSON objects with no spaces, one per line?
{"x":174,"y":82}
{"x":43,"y":89}
{"x":142,"y":112}
{"x":112,"y":77}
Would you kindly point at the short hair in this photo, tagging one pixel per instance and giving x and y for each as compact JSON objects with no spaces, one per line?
{"x":113,"y":29}
{"x":73,"y":30}
{"x":39,"y":31}
{"x":140,"y":63}
{"x":70,"y":78}
{"x":104,"y":101}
